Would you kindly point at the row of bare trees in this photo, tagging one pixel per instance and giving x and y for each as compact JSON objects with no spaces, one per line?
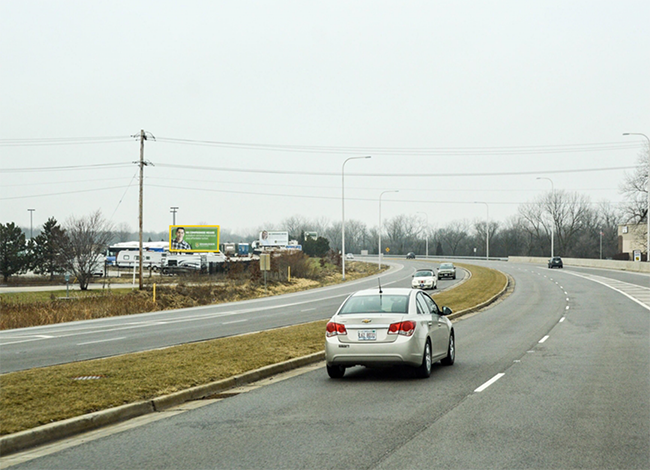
{"x":576,"y":222}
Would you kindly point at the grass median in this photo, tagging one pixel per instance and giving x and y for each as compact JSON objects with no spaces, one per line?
{"x":39,"y":396}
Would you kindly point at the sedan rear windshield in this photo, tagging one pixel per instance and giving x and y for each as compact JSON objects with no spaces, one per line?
{"x":424,"y":274}
{"x":376,"y":304}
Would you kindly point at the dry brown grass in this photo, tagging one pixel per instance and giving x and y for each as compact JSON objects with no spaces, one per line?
{"x":38,"y":396}
{"x":484,"y":284}
{"x":35,"y":309}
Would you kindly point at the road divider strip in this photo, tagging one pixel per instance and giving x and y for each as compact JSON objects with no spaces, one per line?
{"x":40,"y":435}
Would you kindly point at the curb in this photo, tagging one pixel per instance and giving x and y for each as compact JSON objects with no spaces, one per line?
{"x":508,"y":287}
{"x":69,"y":427}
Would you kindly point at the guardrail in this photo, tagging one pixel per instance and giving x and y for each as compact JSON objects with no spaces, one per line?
{"x":633,"y":266}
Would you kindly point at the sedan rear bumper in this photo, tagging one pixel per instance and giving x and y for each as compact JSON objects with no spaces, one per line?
{"x":408,"y":352}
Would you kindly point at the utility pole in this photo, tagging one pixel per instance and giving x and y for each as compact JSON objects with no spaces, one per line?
{"x":173,"y":210}
{"x":142,"y":163}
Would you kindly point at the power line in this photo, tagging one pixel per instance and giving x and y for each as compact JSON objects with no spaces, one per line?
{"x":392,"y":175}
{"x":60,"y":193}
{"x":334,"y":187}
{"x":335,"y":198}
{"x":65,"y":168}
{"x":515,"y":150}
{"x":62,"y":141}
{"x":53,"y":183}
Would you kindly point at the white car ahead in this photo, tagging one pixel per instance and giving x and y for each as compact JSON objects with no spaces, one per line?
{"x":424,"y":279}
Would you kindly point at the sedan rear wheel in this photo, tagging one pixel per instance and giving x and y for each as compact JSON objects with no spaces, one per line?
{"x":424,"y":370}
{"x":335,"y":372}
{"x":451,"y":352}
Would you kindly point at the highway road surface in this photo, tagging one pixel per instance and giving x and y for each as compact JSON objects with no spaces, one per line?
{"x":26,"y":348}
{"x":556,"y":376}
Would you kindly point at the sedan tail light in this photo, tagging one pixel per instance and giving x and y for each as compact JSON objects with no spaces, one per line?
{"x":405,"y":328}
{"x":333,"y":329}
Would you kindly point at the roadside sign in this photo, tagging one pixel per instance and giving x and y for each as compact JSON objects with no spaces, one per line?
{"x":265,"y":262}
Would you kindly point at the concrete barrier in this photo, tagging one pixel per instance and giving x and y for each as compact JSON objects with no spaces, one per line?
{"x":633,"y":266}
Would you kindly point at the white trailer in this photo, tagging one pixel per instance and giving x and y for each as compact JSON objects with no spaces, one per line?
{"x":131,"y":258}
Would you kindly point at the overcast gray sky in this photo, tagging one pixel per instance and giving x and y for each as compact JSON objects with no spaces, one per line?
{"x":449,"y":91}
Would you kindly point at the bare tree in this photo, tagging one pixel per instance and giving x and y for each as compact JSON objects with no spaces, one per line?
{"x":333,"y":234}
{"x":355,"y":235}
{"x":123,"y":232}
{"x":402,"y":232}
{"x":295,"y":225}
{"x":635,"y":190}
{"x":480,"y":238}
{"x":88,"y":238}
{"x":513,"y":239}
{"x":571,"y":213}
{"x":453,"y":235}
{"x":537,"y":227}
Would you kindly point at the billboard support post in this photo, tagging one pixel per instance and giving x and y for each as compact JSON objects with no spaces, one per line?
{"x":265,"y":265}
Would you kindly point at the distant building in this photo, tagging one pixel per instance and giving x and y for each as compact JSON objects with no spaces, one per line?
{"x":631,"y":238}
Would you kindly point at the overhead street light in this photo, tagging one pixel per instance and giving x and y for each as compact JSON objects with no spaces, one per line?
{"x":647,"y":216}
{"x":379,"y":253}
{"x":552,"y":215}
{"x":343,"y":209}
{"x":31,"y":225}
{"x":487,"y":230}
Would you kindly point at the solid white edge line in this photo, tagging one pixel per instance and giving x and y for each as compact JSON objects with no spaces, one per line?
{"x":613,"y":288}
{"x":489,"y":382}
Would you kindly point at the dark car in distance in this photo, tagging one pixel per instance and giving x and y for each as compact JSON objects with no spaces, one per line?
{"x":410,"y":255}
{"x":555,"y":262}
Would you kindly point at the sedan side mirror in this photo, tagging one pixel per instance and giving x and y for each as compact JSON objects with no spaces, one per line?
{"x":446,"y":311}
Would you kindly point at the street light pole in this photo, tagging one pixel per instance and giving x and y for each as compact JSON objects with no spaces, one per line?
{"x":343,"y":210}
{"x":379,"y":248}
{"x":601,"y":244}
{"x":552,"y":215}
{"x":31,"y":224}
{"x":426,"y":234}
{"x":487,"y":230}
{"x":647,"y":215}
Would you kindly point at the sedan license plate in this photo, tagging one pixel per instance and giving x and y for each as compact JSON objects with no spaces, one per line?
{"x":367,"y":335}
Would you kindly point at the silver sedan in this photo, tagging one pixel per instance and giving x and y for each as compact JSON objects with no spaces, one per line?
{"x":396,"y":326}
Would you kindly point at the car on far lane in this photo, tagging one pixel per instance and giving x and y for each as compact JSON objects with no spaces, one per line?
{"x":389,"y":327}
{"x":349,"y":256}
{"x":447,"y":270}
{"x":555,"y":262}
{"x":424,"y":279}
{"x":410,"y":255}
